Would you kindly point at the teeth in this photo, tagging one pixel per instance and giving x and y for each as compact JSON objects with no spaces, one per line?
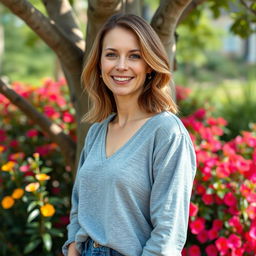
{"x":121,"y":79}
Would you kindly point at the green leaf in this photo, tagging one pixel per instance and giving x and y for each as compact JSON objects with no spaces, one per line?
{"x":48,"y":224}
{"x":31,"y":246}
{"x":31,"y":206}
{"x":33,"y":215}
{"x":56,"y":232}
{"x":47,"y":241}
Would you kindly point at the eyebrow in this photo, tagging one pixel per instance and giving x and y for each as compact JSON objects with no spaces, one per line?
{"x":112,"y":49}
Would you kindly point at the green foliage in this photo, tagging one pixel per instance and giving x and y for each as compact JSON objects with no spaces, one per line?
{"x":238,"y":108}
{"x":25,"y":54}
{"x":196,"y":39}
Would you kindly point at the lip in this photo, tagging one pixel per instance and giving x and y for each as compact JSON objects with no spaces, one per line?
{"x":119,"y":82}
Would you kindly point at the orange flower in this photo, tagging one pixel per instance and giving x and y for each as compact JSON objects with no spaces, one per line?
{"x":47,"y":210}
{"x":42,"y":177}
{"x":8,"y":166}
{"x":1,"y":148}
{"x":36,"y":155}
{"x":32,"y":187}
{"x":17,"y":193}
{"x":7,"y":202}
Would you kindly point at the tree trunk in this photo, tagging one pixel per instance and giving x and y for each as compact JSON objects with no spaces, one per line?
{"x":1,"y":46}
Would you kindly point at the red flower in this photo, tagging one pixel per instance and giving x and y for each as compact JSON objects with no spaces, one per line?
{"x":230,"y":199}
{"x":193,"y":209}
{"x":213,"y":234}
{"x":202,"y":237}
{"x":197,"y":225}
{"x":194,"y":250}
{"x":222,"y":244}
{"x":217,"y":224}
{"x":211,"y":250}
{"x":200,"y":189}
{"x":32,"y":133}
{"x":208,"y":199}
{"x":236,"y":224}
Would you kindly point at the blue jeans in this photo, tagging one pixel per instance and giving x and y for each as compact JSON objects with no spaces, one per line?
{"x":91,"y":250}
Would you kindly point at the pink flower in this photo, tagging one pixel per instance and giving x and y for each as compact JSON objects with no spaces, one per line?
{"x":251,"y":211}
{"x":194,"y":250}
{"x":236,"y":224}
{"x":222,"y":244}
{"x":193,"y":209}
{"x":211,"y":250}
{"x":252,"y":232}
{"x":237,"y":252}
{"x":230,"y":199}
{"x":234,"y":241}
{"x":197,"y":225}
{"x":68,"y":118}
{"x":32,"y":133}
{"x":200,"y":113}
{"x":25,"y":168}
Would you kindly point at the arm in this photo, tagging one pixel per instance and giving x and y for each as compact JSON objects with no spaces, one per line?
{"x":69,"y":246}
{"x":174,"y":168}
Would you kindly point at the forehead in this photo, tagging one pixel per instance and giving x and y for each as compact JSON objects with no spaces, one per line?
{"x":120,"y":38}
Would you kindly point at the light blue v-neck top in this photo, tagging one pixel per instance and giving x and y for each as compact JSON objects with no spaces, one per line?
{"x":137,"y":200}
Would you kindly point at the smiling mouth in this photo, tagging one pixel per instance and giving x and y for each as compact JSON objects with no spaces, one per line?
{"x":121,"y":79}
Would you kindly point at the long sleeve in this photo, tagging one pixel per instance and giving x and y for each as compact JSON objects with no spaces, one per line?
{"x":74,"y":226}
{"x":174,"y":167}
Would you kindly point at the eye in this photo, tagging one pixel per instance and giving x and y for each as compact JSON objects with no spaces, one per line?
{"x":135,"y":56}
{"x":110,"y":54}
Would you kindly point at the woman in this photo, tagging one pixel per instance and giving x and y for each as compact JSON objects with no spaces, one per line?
{"x":132,"y":190}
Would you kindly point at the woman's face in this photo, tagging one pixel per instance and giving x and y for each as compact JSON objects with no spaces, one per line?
{"x":122,"y":68}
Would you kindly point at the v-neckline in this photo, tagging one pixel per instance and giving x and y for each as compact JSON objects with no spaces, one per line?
{"x":105,"y":131}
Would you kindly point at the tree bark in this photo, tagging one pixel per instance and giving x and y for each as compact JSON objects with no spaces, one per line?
{"x":61,"y":12}
{"x":67,"y":146}
{"x":134,"y":6}
{"x":165,"y":20}
{"x":98,"y":12}
{"x":1,"y":46}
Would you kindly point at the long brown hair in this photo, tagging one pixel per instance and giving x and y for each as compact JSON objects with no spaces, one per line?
{"x":156,"y":95}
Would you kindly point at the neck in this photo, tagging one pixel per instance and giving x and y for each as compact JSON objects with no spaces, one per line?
{"x":128,"y":110}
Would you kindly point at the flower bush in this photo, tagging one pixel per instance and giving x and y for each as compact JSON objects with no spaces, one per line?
{"x":35,"y":184}
{"x":223,"y":208}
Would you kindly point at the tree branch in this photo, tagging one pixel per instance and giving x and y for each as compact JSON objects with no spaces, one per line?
{"x":98,"y":12}
{"x":248,"y":7}
{"x":67,"y":146}
{"x":190,"y":7}
{"x":61,"y":12}
{"x":69,"y":54}
{"x":165,"y":20}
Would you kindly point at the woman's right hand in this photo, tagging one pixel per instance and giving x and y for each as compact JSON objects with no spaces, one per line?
{"x":72,"y":250}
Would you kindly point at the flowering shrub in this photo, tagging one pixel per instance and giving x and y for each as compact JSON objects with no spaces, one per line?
{"x":223,"y":208}
{"x":34,"y":205}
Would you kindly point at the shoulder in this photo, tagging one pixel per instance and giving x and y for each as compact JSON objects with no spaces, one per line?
{"x":168,"y":125}
{"x":96,"y":128}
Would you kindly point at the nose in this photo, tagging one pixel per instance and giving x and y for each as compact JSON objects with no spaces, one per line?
{"x":121,"y":64}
